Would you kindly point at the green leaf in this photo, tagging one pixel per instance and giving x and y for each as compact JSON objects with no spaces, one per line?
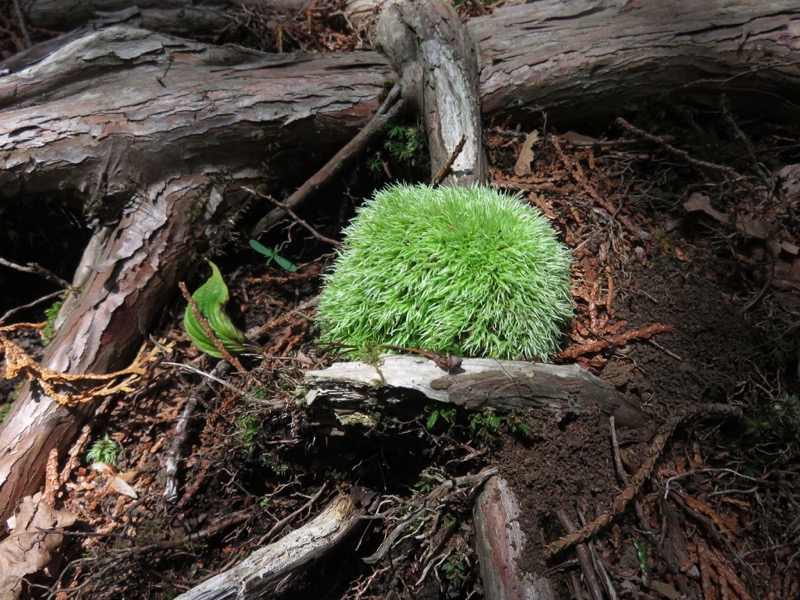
{"x":272,"y":254}
{"x":289,"y":266}
{"x":262,"y":249}
{"x":210,"y":298}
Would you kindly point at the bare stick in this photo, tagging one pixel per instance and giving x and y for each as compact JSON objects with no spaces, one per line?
{"x":21,"y":22}
{"x":14,"y":311}
{"x":584,"y":559}
{"x":37,"y":270}
{"x":388,"y":111}
{"x":653,"y":453}
{"x":300,"y":221}
{"x":446,"y":166}
{"x":207,"y":330}
{"x":681,"y":154}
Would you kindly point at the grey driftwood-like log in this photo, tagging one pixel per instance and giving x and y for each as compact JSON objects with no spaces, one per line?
{"x":272,"y":568}
{"x":346,"y":390}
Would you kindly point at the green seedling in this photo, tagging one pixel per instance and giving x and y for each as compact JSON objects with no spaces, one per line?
{"x":210,"y":298}
{"x":105,"y":450}
{"x":448,"y":415}
{"x":272,"y":254}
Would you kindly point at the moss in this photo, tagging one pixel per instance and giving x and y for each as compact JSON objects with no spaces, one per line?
{"x":471,"y":272}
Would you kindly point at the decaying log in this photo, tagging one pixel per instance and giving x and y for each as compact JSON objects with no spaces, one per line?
{"x":347,"y":390}
{"x":156,"y":135}
{"x":272,"y":568}
{"x":499,"y":543}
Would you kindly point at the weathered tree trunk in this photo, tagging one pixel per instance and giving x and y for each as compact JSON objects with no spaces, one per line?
{"x":157,"y":134}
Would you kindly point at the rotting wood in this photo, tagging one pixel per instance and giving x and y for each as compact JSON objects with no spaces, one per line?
{"x":344,"y":390}
{"x":500,"y":542}
{"x":265,"y":572}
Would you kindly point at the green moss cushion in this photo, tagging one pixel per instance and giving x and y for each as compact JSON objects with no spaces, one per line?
{"x":471,"y":272}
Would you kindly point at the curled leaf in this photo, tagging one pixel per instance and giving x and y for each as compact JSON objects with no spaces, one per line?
{"x":210,"y":298}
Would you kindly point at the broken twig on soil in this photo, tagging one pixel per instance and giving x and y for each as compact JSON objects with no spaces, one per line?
{"x":645,"y":470}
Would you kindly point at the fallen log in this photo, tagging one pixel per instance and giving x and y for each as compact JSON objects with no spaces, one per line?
{"x":272,"y":568}
{"x":344,"y":391}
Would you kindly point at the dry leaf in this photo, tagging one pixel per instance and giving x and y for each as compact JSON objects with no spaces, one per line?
{"x":121,"y":487}
{"x":787,"y":275}
{"x":523,"y":164}
{"x":27,"y":549}
{"x":702,"y":203}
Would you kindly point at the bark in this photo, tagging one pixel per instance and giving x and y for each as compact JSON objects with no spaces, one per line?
{"x":439,"y":66}
{"x":156,"y":134}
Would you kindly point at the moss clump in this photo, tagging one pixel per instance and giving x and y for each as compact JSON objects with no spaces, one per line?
{"x":471,"y":272}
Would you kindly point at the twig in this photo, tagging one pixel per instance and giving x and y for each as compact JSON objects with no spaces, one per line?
{"x":17,"y":309}
{"x":21,"y":23}
{"x":446,"y":167}
{"x":300,"y":221}
{"x":653,"y":453}
{"x":386,"y":114}
{"x":615,"y":340}
{"x":275,"y":404}
{"x":207,"y":330}
{"x":681,"y":154}
{"x":443,"y":488}
{"x":288,"y":518}
{"x":180,"y":433}
{"x":37,"y":270}
{"x":584,"y":559}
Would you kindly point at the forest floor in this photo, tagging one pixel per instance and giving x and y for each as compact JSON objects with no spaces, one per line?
{"x":702,"y":243}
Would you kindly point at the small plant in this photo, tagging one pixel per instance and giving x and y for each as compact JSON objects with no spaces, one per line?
{"x":249,"y":429}
{"x":779,"y":423}
{"x":425,"y":484}
{"x":210,"y":298}
{"x":436,"y":415}
{"x":403,"y":143}
{"x":456,"y":570}
{"x":272,"y":255}
{"x":486,"y":421}
{"x":518,"y":427}
{"x":50,"y":315}
{"x":105,"y":450}
{"x":469,"y":272}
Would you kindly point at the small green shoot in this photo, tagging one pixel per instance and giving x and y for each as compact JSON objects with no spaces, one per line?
{"x":272,"y":254}
{"x":425,"y":484}
{"x":248,"y":432}
{"x":456,"y":570}
{"x":210,"y":298}
{"x":50,"y":315}
{"x":641,"y":555}
{"x":486,"y":421}
{"x":435,"y":415}
{"x":4,"y":410}
{"x":105,"y":450}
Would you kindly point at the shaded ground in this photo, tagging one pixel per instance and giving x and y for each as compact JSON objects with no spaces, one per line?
{"x":718,"y":517}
